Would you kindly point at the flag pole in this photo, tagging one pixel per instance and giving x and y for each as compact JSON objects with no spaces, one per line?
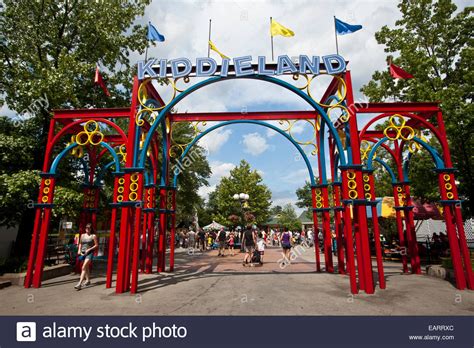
{"x":335,"y":34}
{"x":208,"y":44}
{"x":271,"y":37}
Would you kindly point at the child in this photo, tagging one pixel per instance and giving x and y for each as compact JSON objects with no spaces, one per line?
{"x":261,"y":246}
{"x":231,"y":243}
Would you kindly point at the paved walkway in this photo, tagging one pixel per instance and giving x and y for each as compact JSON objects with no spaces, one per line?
{"x":204,"y":284}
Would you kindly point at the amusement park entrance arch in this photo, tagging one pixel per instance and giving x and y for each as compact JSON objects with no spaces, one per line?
{"x":145,"y":195}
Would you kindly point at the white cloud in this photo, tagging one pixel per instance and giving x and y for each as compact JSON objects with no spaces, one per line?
{"x":219,"y":170}
{"x":296,"y":176}
{"x":213,"y":141}
{"x":205,"y":190}
{"x":254,"y":144}
{"x":241,"y":28}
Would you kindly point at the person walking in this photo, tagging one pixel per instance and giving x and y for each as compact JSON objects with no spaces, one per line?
{"x":191,"y":239}
{"x":231,"y":243}
{"x":87,"y":244}
{"x":221,"y":237}
{"x":248,"y":241}
{"x":261,"y":246}
{"x":285,"y":241}
{"x":202,"y":240}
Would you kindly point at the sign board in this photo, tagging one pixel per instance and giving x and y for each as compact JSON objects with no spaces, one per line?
{"x":67,"y":224}
{"x":242,"y":66}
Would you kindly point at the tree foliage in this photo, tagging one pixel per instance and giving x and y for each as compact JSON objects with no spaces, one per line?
{"x":434,"y":42}
{"x":49,"y":51}
{"x":241,"y":179}
{"x":288,"y":218}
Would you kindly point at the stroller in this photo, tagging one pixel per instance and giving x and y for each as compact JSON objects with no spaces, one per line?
{"x":256,"y":257}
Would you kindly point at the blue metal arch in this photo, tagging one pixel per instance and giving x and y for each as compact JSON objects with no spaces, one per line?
{"x":215,"y":79}
{"x":222,"y":124}
{"x":434,"y":154}
{"x":63,"y":153}
{"x":388,"y":169}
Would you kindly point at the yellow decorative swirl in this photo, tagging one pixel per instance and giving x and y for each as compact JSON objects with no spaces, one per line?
{"x":402,"y":131}
{"x":341,"y":91}
{"x":413,"y":146}
{"x":365,"y":148}
{"x":90,"y":132}
{"x":77,"y":151}
{"x":123,"y":152}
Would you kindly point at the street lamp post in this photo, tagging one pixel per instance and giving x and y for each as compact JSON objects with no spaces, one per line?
{"x":241,"y":198}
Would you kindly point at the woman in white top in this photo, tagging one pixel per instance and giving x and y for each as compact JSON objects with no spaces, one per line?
{"x":87,"y":244}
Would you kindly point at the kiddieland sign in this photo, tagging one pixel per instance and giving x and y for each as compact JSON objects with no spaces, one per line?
{"x":241,"y":66}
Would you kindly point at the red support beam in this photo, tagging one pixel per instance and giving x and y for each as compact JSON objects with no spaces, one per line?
{"x":230,"y":116}
{"x":424,"y":108}
{"x":91,"y":113}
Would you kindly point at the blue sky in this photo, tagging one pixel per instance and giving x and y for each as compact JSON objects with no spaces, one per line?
{"x":242,"y":28}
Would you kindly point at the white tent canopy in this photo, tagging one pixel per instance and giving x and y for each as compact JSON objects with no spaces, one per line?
{"x":213,"y":226}
{"x":428,"y":227}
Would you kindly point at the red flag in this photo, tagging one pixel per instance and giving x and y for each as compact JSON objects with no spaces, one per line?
{"x":399,"y":73}
{"x":99,"y":81}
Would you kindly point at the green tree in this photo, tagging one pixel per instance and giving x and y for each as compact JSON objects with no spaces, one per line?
{"x":194,"y":172}
{"x":49,"y":51}
{"x":276,"y":210}
{"x":434,"y":42}
{"x":303,"y":195}
{"x":288,"y":218}
{"x":242,"y":179}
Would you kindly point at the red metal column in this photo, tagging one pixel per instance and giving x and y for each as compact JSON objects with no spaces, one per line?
{"x":113,"y":220}
{"x":137,"y":188}
{"x":47,"y":198}
{"x":151,"y":231}
{"x":338,"y":228}
{"x":464,"y":249}
{"x":39,"y":213}
{"x":144,"y":239}
{"x":369,"y":187}
{"x":173,"y":227}
{"x":444,"y":180}
{"x":359,"y":254}
{"x":125,"y":229}
{"x":456,"y":207}
{"x":327,"y":230}
{"x":397,"y":196}
{"x":162,"y":231}
{"x":348,"y":233}
{"x":410,"y":223}
{"x":315,"y":229}
{"x":359,"y":209}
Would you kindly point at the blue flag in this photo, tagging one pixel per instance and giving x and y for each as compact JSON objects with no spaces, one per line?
{"x":153,"y":34}
{"x":345,"y":28}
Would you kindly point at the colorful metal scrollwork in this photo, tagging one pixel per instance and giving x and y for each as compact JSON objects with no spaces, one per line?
{"x":401,"y":130}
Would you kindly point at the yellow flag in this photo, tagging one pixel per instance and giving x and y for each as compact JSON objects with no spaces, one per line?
{"x":214,"y":48}
{"x":278,"y":29}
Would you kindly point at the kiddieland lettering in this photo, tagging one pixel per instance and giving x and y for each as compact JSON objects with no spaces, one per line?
{"x":242,"y":66}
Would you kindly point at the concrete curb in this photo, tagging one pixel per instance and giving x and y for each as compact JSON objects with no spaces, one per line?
{"x":48,"y":273}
